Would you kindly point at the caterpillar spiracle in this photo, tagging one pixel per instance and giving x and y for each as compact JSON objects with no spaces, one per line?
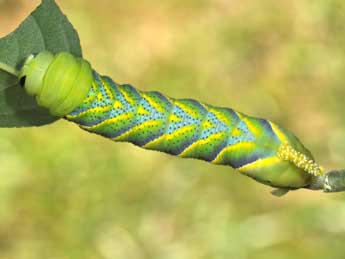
{"x":258,"y":148}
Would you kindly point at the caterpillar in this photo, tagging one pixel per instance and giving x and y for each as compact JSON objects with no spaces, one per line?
{"x":258,"y":148}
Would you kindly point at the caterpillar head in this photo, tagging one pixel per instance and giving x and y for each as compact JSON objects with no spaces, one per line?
{"x":59,"y":82}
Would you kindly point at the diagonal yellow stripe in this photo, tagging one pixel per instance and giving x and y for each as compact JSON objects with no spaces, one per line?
{"x":253,"y":129}
{"x":260,"y":163}
{"x":165,"y":137}
{"x":236,"y":147}
{"x":107,"y":90}
{"x":153,"y":103}
{"x":186,"y":109}
{"x":171,"y":118}
{"x":277,"y":131}
{"x":91,"y":110}
{"x":140,"y":127}
{"x":201,"y":142}
{"x":179,"y":132}
{"x":220,"y":116}
{"x":116,"y":119}
{"x":127,"y":97}
{"x":154,"y":142}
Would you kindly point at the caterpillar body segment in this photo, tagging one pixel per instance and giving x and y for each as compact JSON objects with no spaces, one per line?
{"x":182,"y":127}
{"x":59,"y":82}
{"x":190,"y":129}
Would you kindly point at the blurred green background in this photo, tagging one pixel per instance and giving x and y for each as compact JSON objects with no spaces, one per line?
{"x":67,"y":194}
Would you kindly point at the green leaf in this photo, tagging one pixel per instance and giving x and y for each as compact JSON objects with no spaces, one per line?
{"x":47,"y":28}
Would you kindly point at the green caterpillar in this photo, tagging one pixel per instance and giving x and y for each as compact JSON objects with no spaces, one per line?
{"x":258,"y":148}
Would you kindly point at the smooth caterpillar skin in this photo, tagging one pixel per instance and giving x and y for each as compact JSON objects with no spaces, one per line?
{"x":60,"y":83}
{"x":181,"y":127}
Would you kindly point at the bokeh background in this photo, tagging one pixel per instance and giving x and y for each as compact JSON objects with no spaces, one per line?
{"x":67,"y":194}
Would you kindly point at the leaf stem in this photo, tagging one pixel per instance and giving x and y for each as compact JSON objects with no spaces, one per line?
{"x":9,"y":69}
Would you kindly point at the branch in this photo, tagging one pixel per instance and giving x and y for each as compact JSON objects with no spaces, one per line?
{"x":333,"y":181}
